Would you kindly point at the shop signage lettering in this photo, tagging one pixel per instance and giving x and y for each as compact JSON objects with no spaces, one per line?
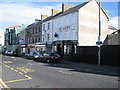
{"x":66,"y":28}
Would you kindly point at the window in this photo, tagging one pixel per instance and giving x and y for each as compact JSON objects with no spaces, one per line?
{"x":36,"y":29}
{"x":43,"y":26}
{"x":33,"y":40}
{"x":28,"y":41}
{"x":48,"y":37}
{"x":43,"y":38}
{"x":48,"y":26}
{"x":39,"y":28}
{"x":33,"y":30}
{"x":38,"y":39}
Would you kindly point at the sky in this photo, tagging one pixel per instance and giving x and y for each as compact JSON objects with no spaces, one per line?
{"x":18,"y":12}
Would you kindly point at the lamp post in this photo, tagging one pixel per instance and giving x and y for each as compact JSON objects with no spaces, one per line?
{"x":99,"y":37}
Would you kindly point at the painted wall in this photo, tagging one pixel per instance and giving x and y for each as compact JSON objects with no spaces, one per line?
{"x":65,"y":27}
{"x":89,"y":24}
{"x":46,"y":31}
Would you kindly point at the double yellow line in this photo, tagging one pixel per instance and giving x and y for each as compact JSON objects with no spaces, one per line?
{"x":3,"y":85}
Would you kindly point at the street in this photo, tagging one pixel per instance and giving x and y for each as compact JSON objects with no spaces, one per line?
{"x":18,"y":72}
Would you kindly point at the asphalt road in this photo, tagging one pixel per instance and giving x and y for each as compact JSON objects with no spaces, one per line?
{"x":18,"y":72}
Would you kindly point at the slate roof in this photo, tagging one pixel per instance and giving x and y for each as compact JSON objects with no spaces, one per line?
{"x":70,"y":10}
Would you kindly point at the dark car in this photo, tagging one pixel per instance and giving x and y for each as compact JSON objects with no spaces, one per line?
{"x":51,"y":57}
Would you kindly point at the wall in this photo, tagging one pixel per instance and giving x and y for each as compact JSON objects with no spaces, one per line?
{"x":22,"y":37}
{"x":65,"y":27}
{"x":47,"y":31}
{"x":89,"y":54}
{"x":89,"y":24}
{"x":113,"y":39}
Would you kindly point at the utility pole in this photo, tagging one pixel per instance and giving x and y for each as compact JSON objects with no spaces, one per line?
{"x":99,"y":42}
{"x":99,"y":37}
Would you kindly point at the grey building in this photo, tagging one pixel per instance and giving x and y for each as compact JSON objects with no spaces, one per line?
{"x":11,"y":36}
{"x":11,"y":39}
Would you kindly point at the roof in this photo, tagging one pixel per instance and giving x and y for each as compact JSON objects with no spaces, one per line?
{"x":73,"y":9}
{"x":112,"y":28}
{"x":70,"y":10}
{"x":35,"y":23}
{"x":15,"y":26}
{"x":50,"y":17}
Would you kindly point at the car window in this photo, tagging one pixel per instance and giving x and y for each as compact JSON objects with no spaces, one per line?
{"x":46,"y":54}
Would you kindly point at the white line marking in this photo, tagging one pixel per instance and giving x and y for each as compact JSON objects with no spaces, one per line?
{"x":30,"y":63}
{"x":12,"y":57}
{"x":64,"y":72}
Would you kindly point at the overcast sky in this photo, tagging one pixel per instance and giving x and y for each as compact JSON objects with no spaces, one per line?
{"x":18,"y":12}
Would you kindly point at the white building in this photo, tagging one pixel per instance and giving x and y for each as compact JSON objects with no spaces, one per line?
{"x":75,"y":26}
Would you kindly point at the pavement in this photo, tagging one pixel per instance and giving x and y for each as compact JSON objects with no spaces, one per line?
{"x":18,"y":72}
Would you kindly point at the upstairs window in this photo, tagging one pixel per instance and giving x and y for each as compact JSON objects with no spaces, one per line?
{"x":43,"y":26}
{"x":36,"y":29}
{"x":48,"y":36}
{"x":39,"y":28}
{"x":48,"y":26}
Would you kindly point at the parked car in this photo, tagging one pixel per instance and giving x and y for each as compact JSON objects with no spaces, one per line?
{"x":33,"y":56}
{"x":6,"y":52}
{"x":51,"y":57}
{"x":36,"y":55}
{"x":9,"y":52}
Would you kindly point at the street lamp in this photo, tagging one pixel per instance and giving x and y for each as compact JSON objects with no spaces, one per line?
{"x":99,"y":37}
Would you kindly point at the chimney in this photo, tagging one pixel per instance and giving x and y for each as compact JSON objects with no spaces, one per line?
{"x":66,"y":7}
{"x":54,"y":11}
{"x":43,"y":17}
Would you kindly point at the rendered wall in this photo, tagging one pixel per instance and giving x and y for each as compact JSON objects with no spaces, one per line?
{"x":89,"y":24}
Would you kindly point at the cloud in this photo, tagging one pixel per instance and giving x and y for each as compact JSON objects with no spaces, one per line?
{"x":21,"y":13}
{"x":1,"y":36}
{"x":114,"y":22}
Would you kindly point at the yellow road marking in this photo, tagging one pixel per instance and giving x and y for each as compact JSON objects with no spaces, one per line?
{"x":27,"y":77}
{"x":24,"y":69}
{"x":17,"y":80}
{"x":3,"y":83}
{"x":15,"y":70}
{"x":11,"y":68}
{"x":20,"y":73}
{"x":1,"y":86}
{"x":7,"y":62}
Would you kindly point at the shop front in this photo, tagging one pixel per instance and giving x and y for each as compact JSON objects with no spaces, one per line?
{"x":30,"y":49}
{"x":41,"y":48}
{"x":65,"y":47}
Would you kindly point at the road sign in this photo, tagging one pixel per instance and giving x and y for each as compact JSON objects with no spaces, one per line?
{"x":99,"y":43}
